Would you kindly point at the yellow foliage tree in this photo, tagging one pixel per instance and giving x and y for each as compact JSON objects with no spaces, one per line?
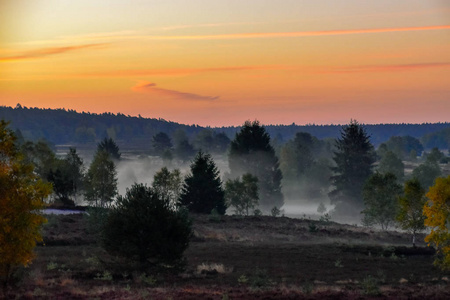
{"x":437,"y":211}
{"x":21,"y":198}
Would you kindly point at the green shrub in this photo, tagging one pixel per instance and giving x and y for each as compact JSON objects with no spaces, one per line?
{"x":312,"y":227}
{"x":257,"y":212}
{"x":147,"y":228}
{"x":275,"y":211}
{"x":106,"y":276}
{"x":370,"y":286}
{"x":260,"y":279}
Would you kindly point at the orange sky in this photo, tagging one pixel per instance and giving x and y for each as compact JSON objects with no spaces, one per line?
{"x":222,"y":62}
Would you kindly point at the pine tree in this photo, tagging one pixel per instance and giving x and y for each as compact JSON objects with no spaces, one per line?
{"x":202,"y":190}
{"x":109,"y":146}
{"x":251,"y":152}
{"x":354,"y":160}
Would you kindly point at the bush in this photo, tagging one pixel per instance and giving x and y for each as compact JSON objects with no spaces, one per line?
{"x":275,"y":211}
{"x":370,"y":286}
{"x":146,"y":228}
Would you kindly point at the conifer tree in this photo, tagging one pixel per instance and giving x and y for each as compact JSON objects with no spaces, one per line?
{"x":251,"y":152}
{"x":202,"y":190}
{"x":109,"y":146}
{"x":354,"y":160}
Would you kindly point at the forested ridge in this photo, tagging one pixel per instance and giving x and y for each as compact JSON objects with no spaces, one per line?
{"x":61,"y":126}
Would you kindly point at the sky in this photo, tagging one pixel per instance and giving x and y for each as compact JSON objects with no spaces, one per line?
{"x":219,"y":63}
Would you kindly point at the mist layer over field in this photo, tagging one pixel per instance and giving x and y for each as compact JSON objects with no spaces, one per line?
{"x":141,"y":169}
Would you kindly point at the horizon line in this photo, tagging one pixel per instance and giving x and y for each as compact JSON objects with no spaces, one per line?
{"x":215,"y":127}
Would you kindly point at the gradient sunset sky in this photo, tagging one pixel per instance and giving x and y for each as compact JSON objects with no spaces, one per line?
{"x":220,"y":63}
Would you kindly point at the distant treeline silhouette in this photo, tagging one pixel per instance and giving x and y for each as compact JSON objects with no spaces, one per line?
{"x":61,"y":126}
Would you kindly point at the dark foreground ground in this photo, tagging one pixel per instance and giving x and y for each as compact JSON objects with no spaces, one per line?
{"x":239,"y":258}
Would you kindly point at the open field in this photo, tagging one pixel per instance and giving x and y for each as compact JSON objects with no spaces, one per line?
{"x":239,"y":258}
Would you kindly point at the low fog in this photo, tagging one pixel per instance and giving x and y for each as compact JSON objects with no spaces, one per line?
{"x":141,"y":169}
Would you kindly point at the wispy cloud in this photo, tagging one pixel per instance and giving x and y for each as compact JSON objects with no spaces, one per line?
{"x":180,"y":71}
{"x":150,"y":88}
{"x":388,"y":68}
{"x":106,"y":37}
{"x":294,"y":33}
{"x":44,"y":52}
{"x":209,"y":25}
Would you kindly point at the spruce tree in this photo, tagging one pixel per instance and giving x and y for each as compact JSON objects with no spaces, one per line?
{"x":109,"y":146}
{"x":251,"y":152}
{"x":202,"y":190}
{"x":354,"y":160}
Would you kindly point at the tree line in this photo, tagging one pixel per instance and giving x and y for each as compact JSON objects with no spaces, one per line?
{"x":61,"y":126}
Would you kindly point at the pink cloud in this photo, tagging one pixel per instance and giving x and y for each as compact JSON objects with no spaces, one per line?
{"x":150,"y":88}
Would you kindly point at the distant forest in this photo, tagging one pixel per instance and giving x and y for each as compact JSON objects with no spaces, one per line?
{"x":61,"y":126}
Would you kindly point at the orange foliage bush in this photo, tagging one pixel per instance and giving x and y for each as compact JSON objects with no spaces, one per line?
{"x":437,"y":211}
{"x":21,"y":198}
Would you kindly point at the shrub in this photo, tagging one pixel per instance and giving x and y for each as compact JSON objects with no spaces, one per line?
{"x":370,"y":286}
{"x":260,"y":279}
{"x":146,"y":228}
{"x":312,"y":227}
{"x":257,"y":212}
{"x":275,"y":211}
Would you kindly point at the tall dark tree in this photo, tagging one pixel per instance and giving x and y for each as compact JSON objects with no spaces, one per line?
{"x":62,"y":184}
{"x":67,"y":177}
{"x":202,"y":190}
{"x":251,"y":152}
{"x":76,"y":171}
{"x":161,"y":142}
{"x":110,"y":147}
{"x":354,"y":160}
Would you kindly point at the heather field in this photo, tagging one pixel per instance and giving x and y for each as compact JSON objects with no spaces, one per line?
{"x":238,"y":258}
